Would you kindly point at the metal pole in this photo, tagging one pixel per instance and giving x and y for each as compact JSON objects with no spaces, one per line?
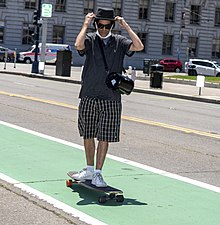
{"x":200,"y":91}
{"x":36,"y":63}
{"x":15,"y":57}
{"x":44,"y":40}
{"x":43,"y":46}
{"x":6,"y":59}
{"x":179,"y":46}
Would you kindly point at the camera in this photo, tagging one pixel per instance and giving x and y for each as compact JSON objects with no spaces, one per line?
{"x":117,"y":81}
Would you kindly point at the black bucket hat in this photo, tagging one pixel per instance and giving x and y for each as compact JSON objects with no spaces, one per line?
{"x":105,"y":14}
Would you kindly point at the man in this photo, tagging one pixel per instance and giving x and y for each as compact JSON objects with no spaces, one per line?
{"x":100,"y":107}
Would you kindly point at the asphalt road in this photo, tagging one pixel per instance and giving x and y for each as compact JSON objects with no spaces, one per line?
{"x":188,"y":153}
{"x":174,"y":135}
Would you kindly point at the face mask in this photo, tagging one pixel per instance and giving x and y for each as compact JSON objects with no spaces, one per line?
{"x":107,"y":36}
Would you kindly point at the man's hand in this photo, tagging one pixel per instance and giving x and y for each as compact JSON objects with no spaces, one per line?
{"x":88,"y":18}
{"x":136,"y":42}
{"x":121,"y":21}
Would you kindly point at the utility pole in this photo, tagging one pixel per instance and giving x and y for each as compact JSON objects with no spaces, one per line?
{"x":43,"y":46}
{"x":36,"y":18}
{"x":182,"y":25}
{"x":46,"y":12}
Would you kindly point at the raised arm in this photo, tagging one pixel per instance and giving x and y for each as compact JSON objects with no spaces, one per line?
{"x":136,"y":42}
{"x":80,"y":40}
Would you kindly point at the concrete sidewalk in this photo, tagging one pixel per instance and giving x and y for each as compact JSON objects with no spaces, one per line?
{"x":171,"y":87}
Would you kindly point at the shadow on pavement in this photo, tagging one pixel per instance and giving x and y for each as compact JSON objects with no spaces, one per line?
{"x":91,"y":197}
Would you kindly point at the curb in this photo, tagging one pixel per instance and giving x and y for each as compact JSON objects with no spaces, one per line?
{"x":190,"y":82}
{"x":137,"y":90}
{"x":175,"y":95}
{"x":182,"y":81}
{"x":32,"y":75}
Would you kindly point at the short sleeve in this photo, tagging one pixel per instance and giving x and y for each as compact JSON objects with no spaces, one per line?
{"x":87,"y":44}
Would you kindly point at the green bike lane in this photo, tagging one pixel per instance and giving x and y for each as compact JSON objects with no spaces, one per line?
{"x":41,"y":163}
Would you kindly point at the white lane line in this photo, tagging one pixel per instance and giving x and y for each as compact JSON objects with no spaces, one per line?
{"x":58,"y":204}
{"x":119,"y":159}
{"x":167,"y":174}
{"x":75,"y":212}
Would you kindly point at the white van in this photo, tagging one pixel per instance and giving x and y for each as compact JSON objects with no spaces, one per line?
{"x":50,"y":52}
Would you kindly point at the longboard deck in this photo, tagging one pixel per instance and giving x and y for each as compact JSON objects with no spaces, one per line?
{"x":109,"y":191}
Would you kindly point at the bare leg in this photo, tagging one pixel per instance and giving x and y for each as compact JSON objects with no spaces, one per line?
{"x":101,"y":154}
{"x":89,"y":145}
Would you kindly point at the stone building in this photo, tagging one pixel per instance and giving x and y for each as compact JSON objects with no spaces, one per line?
{"x":168,"y":28}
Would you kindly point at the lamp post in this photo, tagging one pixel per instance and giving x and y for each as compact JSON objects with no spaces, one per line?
{"x":37,"y":34}
{"x":182,"y":25}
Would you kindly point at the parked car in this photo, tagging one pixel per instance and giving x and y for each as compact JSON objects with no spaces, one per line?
{"x":10,"y":55}
{"x":171,"y":65}
{"x":204,"y":67}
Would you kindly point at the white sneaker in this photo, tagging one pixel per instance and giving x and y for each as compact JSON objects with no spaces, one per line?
{"x":98,"y":180}
{"x":83,"y":175}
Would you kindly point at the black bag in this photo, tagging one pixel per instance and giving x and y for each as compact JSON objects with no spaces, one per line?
{"x":117,"y":81}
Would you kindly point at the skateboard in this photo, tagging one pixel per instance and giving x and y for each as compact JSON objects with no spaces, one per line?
{"x":106,"y":192}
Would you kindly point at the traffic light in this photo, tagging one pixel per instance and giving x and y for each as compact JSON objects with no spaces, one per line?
{"x":35,"y":17}
{"x":183,"y":17}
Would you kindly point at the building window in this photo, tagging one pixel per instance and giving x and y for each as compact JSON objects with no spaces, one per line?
{"x":170,"y":12}
{"x":58,"y":34}
{"x":143,"y":9}
{"x":217,"y":17}
{"x":30,"y":4}
{"x":192,"y":46}
{"x":28,"y":34}
{"x":143,"y":38}
{"x":89,"y":6}
{"x":167,"y":44}
{"x":60,"y":6}
{"x":2,"y":3}
{"x":116,"y":5}
{"x":216,"y":48}
{"x":195,"y":14}
{"x":2,"y":27}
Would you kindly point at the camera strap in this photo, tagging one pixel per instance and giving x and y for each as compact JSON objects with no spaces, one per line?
{"x":103,"y":54}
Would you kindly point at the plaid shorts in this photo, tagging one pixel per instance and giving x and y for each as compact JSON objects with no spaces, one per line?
{"x":99,"y":119}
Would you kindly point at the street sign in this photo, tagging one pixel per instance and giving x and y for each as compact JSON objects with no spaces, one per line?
{"x":200,"y":81}
{"x":46,"y":10}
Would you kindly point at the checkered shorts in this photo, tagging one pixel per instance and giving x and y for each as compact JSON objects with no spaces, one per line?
{"x":99,"y":119}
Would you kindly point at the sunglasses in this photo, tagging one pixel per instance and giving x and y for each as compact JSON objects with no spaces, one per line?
{"x":106,"y":26}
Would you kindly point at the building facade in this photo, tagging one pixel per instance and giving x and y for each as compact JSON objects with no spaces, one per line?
{"x":168,"y":28}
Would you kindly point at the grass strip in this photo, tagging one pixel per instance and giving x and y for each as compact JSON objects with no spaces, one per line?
{"x":207,"y":79}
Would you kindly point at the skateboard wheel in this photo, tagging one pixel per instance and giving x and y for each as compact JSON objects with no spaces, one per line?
{"x":69,"y":183}
{"x":119,"y":198}
{"x":111,"y":196}
{"x":102,"y":199}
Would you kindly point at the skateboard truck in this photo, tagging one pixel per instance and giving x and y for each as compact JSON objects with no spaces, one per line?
{"x":108,"y":192}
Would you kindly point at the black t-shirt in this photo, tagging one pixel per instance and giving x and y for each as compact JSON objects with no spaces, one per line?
{"x":94,"y":73}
